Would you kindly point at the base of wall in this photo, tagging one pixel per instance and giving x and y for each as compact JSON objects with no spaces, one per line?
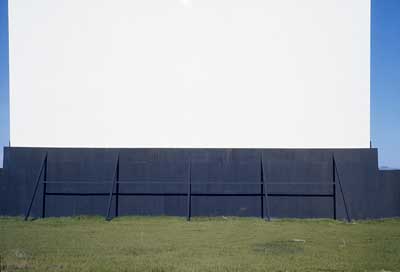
{"x":298,"y":182}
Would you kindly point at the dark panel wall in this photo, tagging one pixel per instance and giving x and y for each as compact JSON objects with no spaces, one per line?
{"x":388,"y":198}
{"x":3,"y":183}
{"x":369,"y":192}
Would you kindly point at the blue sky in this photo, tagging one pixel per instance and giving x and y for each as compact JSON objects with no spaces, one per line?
{"x":4,"y":105}
{"x":385,"y":80}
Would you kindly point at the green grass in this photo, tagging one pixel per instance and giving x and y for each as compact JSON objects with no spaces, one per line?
{"x":205,"y":244}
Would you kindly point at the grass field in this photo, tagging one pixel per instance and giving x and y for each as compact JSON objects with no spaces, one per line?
{"x":205,"y":244}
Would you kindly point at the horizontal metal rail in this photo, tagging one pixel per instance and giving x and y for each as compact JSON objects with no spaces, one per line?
{"x":192,"y":194}
{"x":193,"y":183}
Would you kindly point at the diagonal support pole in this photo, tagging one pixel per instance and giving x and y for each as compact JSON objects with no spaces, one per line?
{"x":117,"y":195}
{"x":115,"y":178}
{"x":334,"y":188}
{"x":189,"y":192}
{"x":265,"y":192}
{"x":28,"y":211}
{"x":341,"y":190}
{"x":44,"y":190}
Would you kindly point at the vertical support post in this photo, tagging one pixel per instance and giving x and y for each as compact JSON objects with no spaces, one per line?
{"x":334,"y":187}
{"x":265,"y":191}
{"x":262,"y":197}
{"x":189,"y":192}
{"x":108,"y":218}
{"x":44,"y":189}
{"x":341,"y":191}
{"x":117,"y":195}
{"x":28,"y":211}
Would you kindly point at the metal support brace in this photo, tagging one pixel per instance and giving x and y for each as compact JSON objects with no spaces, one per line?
{"x":189,"y":192}
{"x":44,"y":190}
{"x":261,"y":197}
{"x":265,"y":192}
{"x":341,"y":190}
{"x":114,"y":181}
{"x":28,"y":211}
{"x":117,"y":196}
{"x":334,"y":187}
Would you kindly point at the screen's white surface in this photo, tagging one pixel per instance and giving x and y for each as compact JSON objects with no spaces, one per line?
{"x":190,"y":73}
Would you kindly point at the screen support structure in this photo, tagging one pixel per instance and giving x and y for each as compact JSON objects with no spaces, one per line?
{"x":114,"y":181}
{"x":189,"y":193}
{"x":336,"y":174}
{"x":42,"y":169}
{"x":264,"y":206}
{"x":263,"y":194}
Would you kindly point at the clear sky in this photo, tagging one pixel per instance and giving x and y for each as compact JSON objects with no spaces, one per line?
{"x":385,"y":80}
{"x":4,"y":99}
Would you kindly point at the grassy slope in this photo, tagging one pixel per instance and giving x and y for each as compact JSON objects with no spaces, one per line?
{"x":172,"y":244}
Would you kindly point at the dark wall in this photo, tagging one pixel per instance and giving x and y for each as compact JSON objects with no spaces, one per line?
{"x":388,"y":193}
{"x":369,"y":193}
{"x":3,"y":183}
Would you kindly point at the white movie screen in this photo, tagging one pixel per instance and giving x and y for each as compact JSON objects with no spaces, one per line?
{"x":190,"y":73}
